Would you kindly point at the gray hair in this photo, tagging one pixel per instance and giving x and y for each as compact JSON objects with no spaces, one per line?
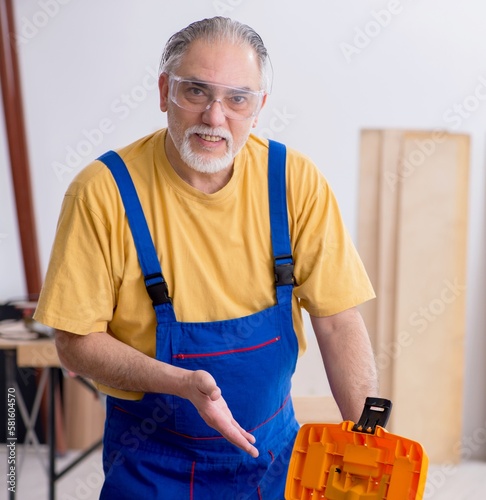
{"x":213,"y":30}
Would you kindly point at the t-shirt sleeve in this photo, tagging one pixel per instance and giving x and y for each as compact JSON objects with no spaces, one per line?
{"x":78,"y":294}
{"x":329,"y":272}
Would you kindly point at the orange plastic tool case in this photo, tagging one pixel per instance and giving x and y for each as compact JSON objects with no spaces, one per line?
{"x":362,"y":461}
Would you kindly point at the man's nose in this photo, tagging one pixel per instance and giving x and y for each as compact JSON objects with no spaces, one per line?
{"x":213,"y":114}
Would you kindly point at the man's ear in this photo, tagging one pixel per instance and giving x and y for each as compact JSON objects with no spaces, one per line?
{"x":164,"y":91}
{"x":255,"y":120}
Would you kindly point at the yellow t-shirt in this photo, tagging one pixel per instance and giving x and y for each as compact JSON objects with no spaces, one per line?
{"x":215,"y":249}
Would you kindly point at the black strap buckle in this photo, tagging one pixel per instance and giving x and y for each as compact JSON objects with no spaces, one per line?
{"x":284,"y":273}
{"x":158,"y":290}
{"x":376,"y":412}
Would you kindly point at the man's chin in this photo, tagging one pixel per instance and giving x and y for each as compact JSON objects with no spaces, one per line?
{"x":206,"y":165}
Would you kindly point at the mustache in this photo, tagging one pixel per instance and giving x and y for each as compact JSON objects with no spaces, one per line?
{"x":205,"y":130}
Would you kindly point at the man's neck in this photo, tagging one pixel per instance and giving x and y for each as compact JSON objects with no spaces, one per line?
{"x":207,"y":183}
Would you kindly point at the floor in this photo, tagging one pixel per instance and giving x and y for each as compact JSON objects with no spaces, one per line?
{"x":466,"y":481}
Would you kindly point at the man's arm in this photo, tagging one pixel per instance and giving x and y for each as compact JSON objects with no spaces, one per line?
{"x":101,"y":357}
{"x":348,"y":359}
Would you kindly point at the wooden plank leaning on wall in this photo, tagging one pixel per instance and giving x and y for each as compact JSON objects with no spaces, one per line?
{"x":412,"y":238}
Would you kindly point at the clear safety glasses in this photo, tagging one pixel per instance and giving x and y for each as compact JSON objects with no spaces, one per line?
{"x":236,"y":103}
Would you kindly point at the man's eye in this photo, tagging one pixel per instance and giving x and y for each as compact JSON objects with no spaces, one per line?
{"x":238,"y":99}
{"x":195,"y":91}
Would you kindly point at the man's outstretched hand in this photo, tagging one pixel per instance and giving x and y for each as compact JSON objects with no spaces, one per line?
{"x":205,"y":395}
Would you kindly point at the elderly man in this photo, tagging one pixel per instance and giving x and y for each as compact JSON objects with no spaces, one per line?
{"x":177,"y":278}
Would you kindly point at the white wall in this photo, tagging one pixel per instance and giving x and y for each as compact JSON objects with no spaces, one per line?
{"x":11,"y":266}
{"x":340,"y":66}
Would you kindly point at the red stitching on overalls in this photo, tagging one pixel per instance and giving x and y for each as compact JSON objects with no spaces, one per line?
{"x":232,"y":351}
{"x":273,"y":416}
{"x":191,"y":491}
{"x":121,"y":409}
{"x":204,"y":438}
{"x":259,"y":493}
{"x":271,"y":455}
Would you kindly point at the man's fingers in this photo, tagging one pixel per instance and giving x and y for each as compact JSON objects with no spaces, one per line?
{"x":252,"y":451}
{"x":247,"y":441}
{"x":242,"y":439}
{"x":250,"y":437}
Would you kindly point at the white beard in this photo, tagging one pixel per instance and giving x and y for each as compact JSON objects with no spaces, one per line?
{"x":203,"y":164}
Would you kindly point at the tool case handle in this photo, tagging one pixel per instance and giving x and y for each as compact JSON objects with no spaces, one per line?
{"x":376,"y":412}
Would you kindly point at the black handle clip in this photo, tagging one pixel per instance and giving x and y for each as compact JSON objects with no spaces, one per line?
{"x":376,"y":412}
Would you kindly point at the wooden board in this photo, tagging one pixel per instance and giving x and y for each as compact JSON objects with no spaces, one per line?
{"x":377,"y":240}
{"x":412,"y":238}
{"x":84,"y":415}
{"x":38,"y":354}
{"x":431,"y":278}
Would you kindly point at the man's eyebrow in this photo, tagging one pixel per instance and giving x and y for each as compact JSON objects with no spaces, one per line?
{"x":196,"y":81}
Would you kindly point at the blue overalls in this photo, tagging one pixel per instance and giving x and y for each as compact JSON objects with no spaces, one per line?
{"x":159,"y":447}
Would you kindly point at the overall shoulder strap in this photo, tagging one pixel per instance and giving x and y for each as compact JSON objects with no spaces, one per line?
{"x":279,"y":223}
{"x":147,"y":255}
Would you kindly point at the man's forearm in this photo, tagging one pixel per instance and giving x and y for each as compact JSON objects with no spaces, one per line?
{"x":106,"y":360}
{"x":101,"y":357}
{"x":348,"y":359}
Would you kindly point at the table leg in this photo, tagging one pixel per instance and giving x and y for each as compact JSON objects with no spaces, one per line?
{"x":53,"y":378}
